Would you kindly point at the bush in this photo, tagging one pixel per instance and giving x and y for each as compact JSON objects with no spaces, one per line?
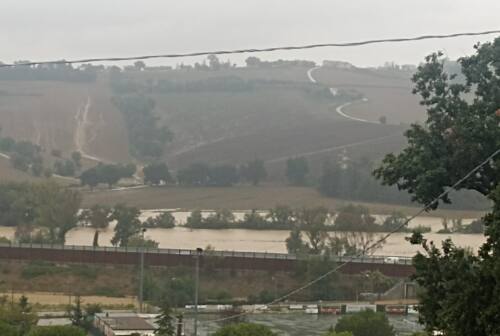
{"x":366,"y":323}
{"x":57,"y":331}
{"x":244,"y":329}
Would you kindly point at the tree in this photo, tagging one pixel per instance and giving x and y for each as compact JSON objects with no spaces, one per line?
{"x":355,"y":218}
{"x":244,"y":329}
{"x":157,"y":173}
{"x":253,"y":61}
{"x":459,"y":288}
{"x":294,"y":243}
{"x":95,"y":241}
{"x":140,"y":65}
{"x":254,"y":171}
{"x":395,"y":221}
{"x":8,"y":330}
{"x":365,"y":323}
{"x":165,"y":221}
{"x":165,"y":321}
{"x":24,"y":304}
{"x":127,"y":224}
{"x":329,"y":183}
{"x":97,"y":217}
{"x":223,"y":176}
{"x":138,"y":241}
{"x":282,"y":216}
{"x":297,"y":170}
{"x":64,"y":168}
{"x":90,"y":177}
{"x":313,"y":223}
{"x":197,"y":174}
{"x":75,"y":313}
{"x":383,"y":119}
{"x":77,"y":158}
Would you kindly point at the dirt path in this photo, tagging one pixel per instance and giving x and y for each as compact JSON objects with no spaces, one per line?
{"x":340,"y":108}
{"x":83,"y":128}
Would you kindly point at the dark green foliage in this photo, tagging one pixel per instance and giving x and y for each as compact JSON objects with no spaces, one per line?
{"x":97,"y":217}
{"x":77,"y":158}
{"x":57,"y":331}
{"x":164,"y":220}
{"x":297,"y":170}
{"x":459,"y":289}
{"x":109,"y":174}
{"x":355,"y":218}
{"x":44,"y":206}
{"x":24,"y":155}
{"x":157,"y":173}
{"x":254,"y":171}
{"x":146,"y":138}
{"x":64,"y":168}
{"x":244,"y":329}
{"x":138,"y":241}
{"x":127,"y":224}
{"x":366,"y":323}
{"x":165,"y":321}
{"x":459,"y":132}
{"x":7,"y":330}
{"x":313,"y":223}
{"x":223,"y":176}
{"x":197,"y":174}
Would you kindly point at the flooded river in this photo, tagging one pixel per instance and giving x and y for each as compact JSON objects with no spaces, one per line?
{"x":254,"y":240}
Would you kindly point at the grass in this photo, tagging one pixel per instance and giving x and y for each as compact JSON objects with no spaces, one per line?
{"x":243,"y":198}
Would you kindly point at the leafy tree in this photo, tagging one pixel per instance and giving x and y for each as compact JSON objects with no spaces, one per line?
{"x":282,"y":216}
{"x":157,"y":173}
{"x":64,"y":168}
{"x":127,"y":224}
{"x":253,"y":61}
{"x":297,"y":170}
{"x":294,"y":243}
{"x":95,"y":241}
{"x":244,"y":329}
{"x":90,"y":177}
{"x":313,"y":223}
{"x":459,"y":288}
{"x":254,"y":171}
{"x":139,"y":65}
{"x":395,"y":221}
{"x":165,"y":321}
{"x":355,"y":218}
{"x":24,"y":304}
{"x":138,"y":241}
{"x":76,"y":314}
{"x":7,"y":329}
{"x":77,"y":158}
{"x":197,"y":174}
{"x":165,"y":221}
{"x":97,"y":217}
{"x":254,"y":220}
{"x":365,"y":323}
{"x":223,"y":176}
{"x":195,"y":219}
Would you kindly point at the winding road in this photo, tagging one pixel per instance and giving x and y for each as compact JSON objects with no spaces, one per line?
{"x":340,"y":108}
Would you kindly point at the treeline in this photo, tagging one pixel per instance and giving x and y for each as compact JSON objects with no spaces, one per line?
{"x":203,"y":175}
{"x":109,"y":174}
{"x":23,"y":155}
{"x":348,"y":218}
{"x":50,"y":72}
{"x":255,"y":62}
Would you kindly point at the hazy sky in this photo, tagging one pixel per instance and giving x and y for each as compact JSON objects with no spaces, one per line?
{"x":56,"y":29}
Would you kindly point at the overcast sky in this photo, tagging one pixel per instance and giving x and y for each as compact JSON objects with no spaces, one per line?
{"x":56,"y":29}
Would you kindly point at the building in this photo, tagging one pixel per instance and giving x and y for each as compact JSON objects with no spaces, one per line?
{"x":125,"y":324}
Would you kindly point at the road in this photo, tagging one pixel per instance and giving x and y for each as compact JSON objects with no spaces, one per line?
{"x":340,"y":108}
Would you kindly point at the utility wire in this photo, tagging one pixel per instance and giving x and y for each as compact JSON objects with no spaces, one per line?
{"x":375,"y":244}
{"x":256,"y":50}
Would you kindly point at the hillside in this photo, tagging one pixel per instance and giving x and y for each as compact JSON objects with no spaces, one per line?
{"x":272,"y":112}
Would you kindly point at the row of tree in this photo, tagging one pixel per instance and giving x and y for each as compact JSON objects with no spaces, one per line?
{"x":108,"y":174}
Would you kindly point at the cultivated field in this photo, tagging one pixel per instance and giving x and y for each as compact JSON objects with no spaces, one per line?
{"x":242,"y":198}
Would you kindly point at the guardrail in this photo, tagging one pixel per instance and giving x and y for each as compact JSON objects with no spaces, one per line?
{"x":213,"y":253}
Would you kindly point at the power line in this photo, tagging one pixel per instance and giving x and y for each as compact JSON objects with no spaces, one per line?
{"x":375,"y":244}
{"x":256,"y":50}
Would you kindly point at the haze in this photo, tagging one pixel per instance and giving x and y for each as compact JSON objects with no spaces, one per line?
{"x":56,"y":29}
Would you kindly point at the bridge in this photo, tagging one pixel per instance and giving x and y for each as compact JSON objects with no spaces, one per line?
{"x":390,"y":266}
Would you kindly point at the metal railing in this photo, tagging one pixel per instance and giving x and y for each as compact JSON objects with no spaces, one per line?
{"x":213,"y":253}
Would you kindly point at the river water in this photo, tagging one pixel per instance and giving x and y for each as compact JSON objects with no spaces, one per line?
{"x":254,"y":240}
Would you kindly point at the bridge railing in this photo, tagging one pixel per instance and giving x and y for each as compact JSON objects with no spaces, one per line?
{"x":214,"y":253}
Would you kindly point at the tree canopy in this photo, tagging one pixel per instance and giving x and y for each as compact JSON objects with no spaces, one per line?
{"x":459,"y":289}
{"x":365,"y":323}
{"x":244,"y":329}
